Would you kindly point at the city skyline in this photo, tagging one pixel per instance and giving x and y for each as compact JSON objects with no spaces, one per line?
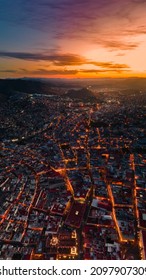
{"x":72,"y":39}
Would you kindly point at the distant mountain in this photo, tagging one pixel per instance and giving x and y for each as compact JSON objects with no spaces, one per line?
{"x":9,"y":87}
{"x":109,"y":83}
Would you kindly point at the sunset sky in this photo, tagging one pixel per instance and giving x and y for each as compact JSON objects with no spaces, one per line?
{"x":72,"y":38}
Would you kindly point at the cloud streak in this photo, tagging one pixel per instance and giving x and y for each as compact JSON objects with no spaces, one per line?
{"x":62,"y":59}
{"x":8,"y":71}
{"x":74,"y":72}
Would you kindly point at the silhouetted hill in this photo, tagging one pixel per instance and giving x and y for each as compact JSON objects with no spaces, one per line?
{"x":9,"y":87}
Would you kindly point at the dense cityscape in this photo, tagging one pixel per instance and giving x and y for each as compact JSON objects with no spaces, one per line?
{"x":73,"y":175}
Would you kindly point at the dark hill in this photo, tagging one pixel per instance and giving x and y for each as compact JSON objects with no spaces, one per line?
{"x":85,"y":95}
{"x":82,"y":94}
{"x":9,"y":87}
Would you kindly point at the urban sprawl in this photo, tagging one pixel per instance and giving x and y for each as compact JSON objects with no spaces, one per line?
{"x":73,"y":178}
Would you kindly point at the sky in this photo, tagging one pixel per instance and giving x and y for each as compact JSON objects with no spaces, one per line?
{"x":72,"y":38}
